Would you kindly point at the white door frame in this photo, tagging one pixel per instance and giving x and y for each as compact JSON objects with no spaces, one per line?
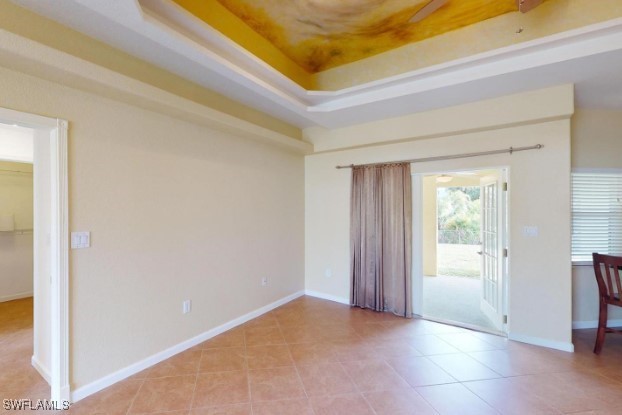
{"x":417,"y":235}
{"x":59,"y":245}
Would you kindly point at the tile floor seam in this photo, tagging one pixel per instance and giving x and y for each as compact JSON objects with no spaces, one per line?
{"x":369,"y":404}
{"x":129,"y":408}
{"x":357,"y":388}
{"x":194,"y":390}
{"x":439,"y":367}
{"x":248,"y":374}
{"x":429,"y":402}
{"x":465,"y":384}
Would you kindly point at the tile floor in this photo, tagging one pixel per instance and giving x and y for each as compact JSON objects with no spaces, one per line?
{"x":317,"y":357}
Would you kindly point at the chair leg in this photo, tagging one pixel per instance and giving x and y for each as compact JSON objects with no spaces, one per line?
{"x":602,"y":326}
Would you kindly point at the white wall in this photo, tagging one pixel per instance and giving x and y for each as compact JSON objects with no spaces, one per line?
{"x":16,"y":198}
{"x":42,"y":353}
{"x":16,"y":143}
{"x":596,"y":144}
{"x":176,"y":211}
{"x":540,"y":283}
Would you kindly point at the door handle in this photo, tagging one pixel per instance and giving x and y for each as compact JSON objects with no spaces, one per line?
{"x":479,"y":252}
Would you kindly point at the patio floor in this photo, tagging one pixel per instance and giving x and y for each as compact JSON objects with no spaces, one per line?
{"x":454,"y":299}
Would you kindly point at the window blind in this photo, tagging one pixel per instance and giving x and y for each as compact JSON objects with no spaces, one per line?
{"x":596,"y":215}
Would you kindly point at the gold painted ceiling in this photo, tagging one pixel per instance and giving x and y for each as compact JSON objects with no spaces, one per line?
{"x":322,"y":34}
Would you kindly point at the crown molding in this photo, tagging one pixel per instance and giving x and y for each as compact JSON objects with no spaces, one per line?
{"x":161,"y":32}
{"x":30,"y":57}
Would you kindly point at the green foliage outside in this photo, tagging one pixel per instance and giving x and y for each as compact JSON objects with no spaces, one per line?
{"x":458,"y":213}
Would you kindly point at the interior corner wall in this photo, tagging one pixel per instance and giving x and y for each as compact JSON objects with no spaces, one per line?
{"x":430,"y":219}
{"x":176,"y":211}
{"x":16,"y":248}
{"x":596,"y":144}
{"x":540,"y":283}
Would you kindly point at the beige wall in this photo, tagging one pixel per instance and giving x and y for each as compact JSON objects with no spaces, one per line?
{"x":25,"y":23}
{"x":177,"y":211}
{"x":429,"y":225}
{"x":540,"y":284}
{"x":596,"y":144}
{"x":16,"y":247}
{"x":596,"y":139}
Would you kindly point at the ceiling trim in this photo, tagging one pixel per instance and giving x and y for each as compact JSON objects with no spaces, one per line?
{"x":166,"y":35}
{"x":33,"y":58}
{"x":229,"y":59}
{"x":524,"y":108}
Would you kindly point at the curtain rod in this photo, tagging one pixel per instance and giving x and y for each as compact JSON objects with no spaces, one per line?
{"x":453,"y":156}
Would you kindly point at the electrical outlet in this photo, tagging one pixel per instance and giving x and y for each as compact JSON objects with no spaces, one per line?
{"x":186,"y":306}
{"x":264,"y":281}
{"x":328,"y":272}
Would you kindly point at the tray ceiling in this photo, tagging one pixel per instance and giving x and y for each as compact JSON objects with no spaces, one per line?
{"x":323,"y":34}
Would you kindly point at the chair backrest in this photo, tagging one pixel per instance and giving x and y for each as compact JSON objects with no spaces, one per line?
{"x":609,"y":282}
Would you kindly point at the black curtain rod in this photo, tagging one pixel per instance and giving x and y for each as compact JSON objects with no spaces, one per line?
{"x":453,"y":156}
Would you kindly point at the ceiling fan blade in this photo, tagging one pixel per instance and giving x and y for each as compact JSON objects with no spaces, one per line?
{"x":427,"y":10}
{"x":526,"y":5}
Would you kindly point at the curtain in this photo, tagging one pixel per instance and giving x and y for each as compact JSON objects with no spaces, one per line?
{"x":381,"y":238}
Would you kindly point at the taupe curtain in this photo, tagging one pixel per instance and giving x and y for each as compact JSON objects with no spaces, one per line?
{"x":381,"y":238}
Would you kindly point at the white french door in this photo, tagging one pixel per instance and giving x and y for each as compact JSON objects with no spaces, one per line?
{"x":492,"y":252}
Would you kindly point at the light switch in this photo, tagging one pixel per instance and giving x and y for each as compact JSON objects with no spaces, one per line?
{"x":80,"y":240}
{"x":530,"y":231}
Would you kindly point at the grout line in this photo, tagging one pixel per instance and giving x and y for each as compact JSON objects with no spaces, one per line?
{"x":194,"y":390}
{"x":294,"y":364}
{"x":129,"y":408}
{"x":357,"y":387}
{"x":248,"y":374}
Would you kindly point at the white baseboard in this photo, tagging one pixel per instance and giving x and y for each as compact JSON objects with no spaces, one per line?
{"x":17,"y":296}
{"x":128,"y":371}
{"x":323,"y":296}
{"x":43,"y":371}
{"x":566,"y":347}
{"x":538,"y":341}
{"x":592,"y":324}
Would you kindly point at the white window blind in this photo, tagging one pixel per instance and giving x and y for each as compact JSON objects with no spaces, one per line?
{"x":596,"y":215}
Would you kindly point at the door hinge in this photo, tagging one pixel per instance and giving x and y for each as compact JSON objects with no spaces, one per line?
{"x":505,"y":319}
{"x":505,"y":252}
{"x":505,"y":186}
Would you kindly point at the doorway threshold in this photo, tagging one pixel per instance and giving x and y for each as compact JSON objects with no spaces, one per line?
{"x":464,"y":326}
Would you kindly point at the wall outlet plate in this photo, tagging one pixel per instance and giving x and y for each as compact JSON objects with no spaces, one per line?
{"x":186,"y":306}
{"x":264,"y":281}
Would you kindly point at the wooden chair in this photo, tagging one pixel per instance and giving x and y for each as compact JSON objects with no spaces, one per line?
{"x":609,"y":291}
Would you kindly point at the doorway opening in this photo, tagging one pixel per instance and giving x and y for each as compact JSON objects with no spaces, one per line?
{"x":34,"y":154}
{"x":17,"y":262}
{"x":463,"y":248}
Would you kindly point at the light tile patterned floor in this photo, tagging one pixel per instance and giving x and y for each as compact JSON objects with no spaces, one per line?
{"x":317,"y":357}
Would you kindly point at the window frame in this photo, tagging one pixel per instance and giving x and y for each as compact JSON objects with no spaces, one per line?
{"x":584,"y":170}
